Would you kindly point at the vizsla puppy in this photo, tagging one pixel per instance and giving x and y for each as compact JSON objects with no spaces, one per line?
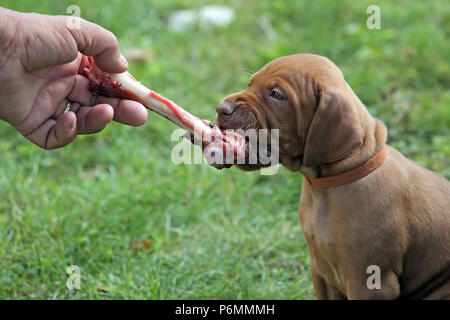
{"x":363,"y":203}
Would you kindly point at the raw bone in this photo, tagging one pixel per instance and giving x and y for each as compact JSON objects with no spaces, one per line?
{"x":221,"y":148}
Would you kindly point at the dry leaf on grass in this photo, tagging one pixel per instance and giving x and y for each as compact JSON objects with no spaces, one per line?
{"x":142,"y":245}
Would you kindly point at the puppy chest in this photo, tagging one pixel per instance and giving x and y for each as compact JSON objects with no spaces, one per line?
{"x":322,"y":241}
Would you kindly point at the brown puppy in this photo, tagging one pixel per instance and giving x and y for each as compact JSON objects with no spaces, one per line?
{"x":397,"y":217}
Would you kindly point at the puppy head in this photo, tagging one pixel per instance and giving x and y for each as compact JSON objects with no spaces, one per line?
{"x":306,"y":98}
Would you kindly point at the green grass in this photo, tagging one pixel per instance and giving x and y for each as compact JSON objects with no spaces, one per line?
{"x":218,"y":235}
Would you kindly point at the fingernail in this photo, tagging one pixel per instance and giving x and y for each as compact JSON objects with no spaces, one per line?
{"x":124,"y":61}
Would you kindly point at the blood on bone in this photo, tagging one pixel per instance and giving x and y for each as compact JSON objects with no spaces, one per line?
{"x":129,"y":74}
{"x":169,"y":104}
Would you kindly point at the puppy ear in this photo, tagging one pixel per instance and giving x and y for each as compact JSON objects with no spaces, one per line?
{"x":334,"y":131}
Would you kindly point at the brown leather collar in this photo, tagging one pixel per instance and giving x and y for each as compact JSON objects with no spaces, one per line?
{"x":357,"y":173}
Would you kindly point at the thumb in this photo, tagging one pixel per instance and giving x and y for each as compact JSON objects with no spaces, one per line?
{"x":93,"y":40}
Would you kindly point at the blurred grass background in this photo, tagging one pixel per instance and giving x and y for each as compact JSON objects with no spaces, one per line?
{"x":141,"y":227}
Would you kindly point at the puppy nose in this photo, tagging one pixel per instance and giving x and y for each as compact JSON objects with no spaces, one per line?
{"x":225,"y":109}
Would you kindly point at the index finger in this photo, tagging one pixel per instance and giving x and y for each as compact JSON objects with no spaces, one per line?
{"x":93,"y":40}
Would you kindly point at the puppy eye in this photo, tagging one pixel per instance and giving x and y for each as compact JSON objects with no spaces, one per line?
{"x":276,"y":95}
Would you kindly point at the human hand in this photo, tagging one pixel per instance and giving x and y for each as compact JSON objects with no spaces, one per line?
{"x":41,"y":74}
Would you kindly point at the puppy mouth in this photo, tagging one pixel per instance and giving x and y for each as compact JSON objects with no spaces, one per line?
{"x":245,"y":120}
